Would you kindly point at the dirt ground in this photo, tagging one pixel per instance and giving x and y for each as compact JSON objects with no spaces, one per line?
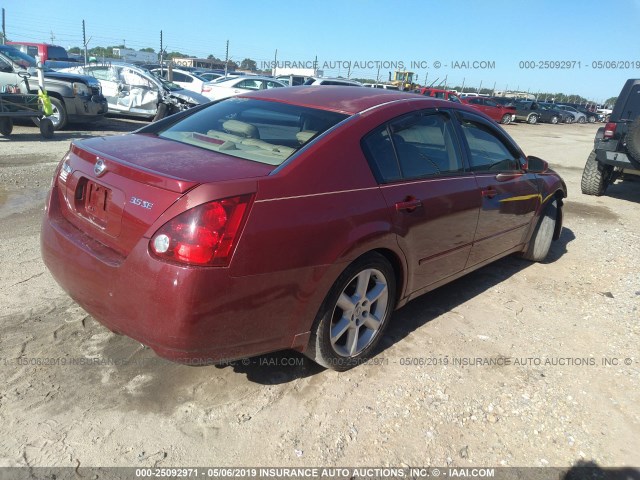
{"x":567,"y":389}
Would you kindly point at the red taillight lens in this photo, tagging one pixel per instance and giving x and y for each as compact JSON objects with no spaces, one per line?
{"x":205,"y":235}
{"x":205,"y":89}
{"x":609,"y":130}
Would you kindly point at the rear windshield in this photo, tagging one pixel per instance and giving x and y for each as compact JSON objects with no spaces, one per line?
{"x":265,"y":132}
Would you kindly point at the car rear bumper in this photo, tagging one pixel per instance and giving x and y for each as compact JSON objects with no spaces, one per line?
{"x":188,"y":315}
{"x":616,"y":159}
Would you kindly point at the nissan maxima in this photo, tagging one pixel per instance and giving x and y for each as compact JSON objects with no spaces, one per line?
{"x":291,"y":218}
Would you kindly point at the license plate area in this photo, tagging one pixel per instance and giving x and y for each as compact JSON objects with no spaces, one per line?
{"x":93,"y":202}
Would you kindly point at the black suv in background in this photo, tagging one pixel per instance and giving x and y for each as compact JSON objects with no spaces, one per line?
{"x":74,"y":98}
{"x":616,"y":148}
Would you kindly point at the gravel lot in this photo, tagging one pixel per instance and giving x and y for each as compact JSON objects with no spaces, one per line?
{"x":564,"y":390}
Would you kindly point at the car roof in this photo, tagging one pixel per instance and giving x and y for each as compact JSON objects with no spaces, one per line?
{"x":347,"y":100}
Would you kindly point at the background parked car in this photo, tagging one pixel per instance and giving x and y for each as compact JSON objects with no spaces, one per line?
{"x":209,"y":76}
{"x":182,"y":78}
{"x":533,"y":112}
{"x":552,"y":114}
{"x":578,"y":116}
{"x":438,"y":93}
{"x":235,"y":86}
{"x":382,"y":86}
{"x":491,"y":108}
{"x":343,"y":82}
{"x":74,"y":98}
{"x":592,"y":116}
{"x":292,"y":80}
{"x":133,"y":90}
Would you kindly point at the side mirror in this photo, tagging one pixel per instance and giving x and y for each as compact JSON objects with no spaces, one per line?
{"x":536,"y":165}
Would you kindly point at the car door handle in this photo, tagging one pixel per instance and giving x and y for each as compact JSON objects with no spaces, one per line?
{"x":409,"y":205}
{"x":490,"y":192}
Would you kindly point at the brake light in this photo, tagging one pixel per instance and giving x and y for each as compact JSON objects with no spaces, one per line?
{"x":204,"y":235}
{"x":610,"y":130}
{"x":205,"y":89}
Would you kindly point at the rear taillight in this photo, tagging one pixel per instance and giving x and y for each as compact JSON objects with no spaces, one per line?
{"x":205,"y":235}
{"x":205,"y":89}
{"x":609,"y":130}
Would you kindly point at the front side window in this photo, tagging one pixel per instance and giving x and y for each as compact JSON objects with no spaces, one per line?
{"x":425,"y":145}
{"x":487,"y":151}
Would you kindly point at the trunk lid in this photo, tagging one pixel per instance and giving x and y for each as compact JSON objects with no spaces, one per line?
{"x":114,"y":188}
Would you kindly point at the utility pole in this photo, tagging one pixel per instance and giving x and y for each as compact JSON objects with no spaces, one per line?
{"x":226,"y":60}
{"x":53,"y":37}
{"x":161,"y":56}
{"x":274,"y":70}
{"x":4,"y":31}
{"x":84,"y":42}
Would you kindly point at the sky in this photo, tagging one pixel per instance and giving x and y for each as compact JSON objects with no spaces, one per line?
{"x":481,"y":43}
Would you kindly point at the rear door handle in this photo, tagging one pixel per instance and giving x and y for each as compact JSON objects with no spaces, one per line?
{"x":408,"y":205}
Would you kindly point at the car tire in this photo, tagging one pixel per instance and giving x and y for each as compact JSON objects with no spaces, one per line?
{"x":6,"y":126}
{"x":554,"y":120}
{"x":59,"y":117}
{"x":532,"y":119}
{"x":540,"y":242}
{"x":506,"y":119}
{"x":591,"y":119}
{"x":46,"y":128}
{"x":354,"y":314}
{"x":633,"y":142}
{"x":582,"y":120}
{"x":595,"y":177}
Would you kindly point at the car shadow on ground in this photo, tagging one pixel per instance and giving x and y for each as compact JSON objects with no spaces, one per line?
{"x":105,"y":126}
{"x":627,"y":189}
{"x":591,"y":470}
{"x":287,"y":366}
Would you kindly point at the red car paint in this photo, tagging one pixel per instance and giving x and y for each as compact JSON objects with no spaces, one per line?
{"x":490,"y":108}
{"x":438,"y":93}
{"x":306,"y":221}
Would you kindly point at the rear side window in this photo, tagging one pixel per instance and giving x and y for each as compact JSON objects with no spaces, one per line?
{"x":379,"y":151}
{"x":181,"y":77}
{"x":57,"y":53}
{"x":412,"y":147}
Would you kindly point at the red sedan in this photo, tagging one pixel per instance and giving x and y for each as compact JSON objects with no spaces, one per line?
{"x":492,"y":109}
{"x":289,"y":218}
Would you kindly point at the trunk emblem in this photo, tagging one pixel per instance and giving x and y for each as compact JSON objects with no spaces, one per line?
{"x":100,"y":167}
